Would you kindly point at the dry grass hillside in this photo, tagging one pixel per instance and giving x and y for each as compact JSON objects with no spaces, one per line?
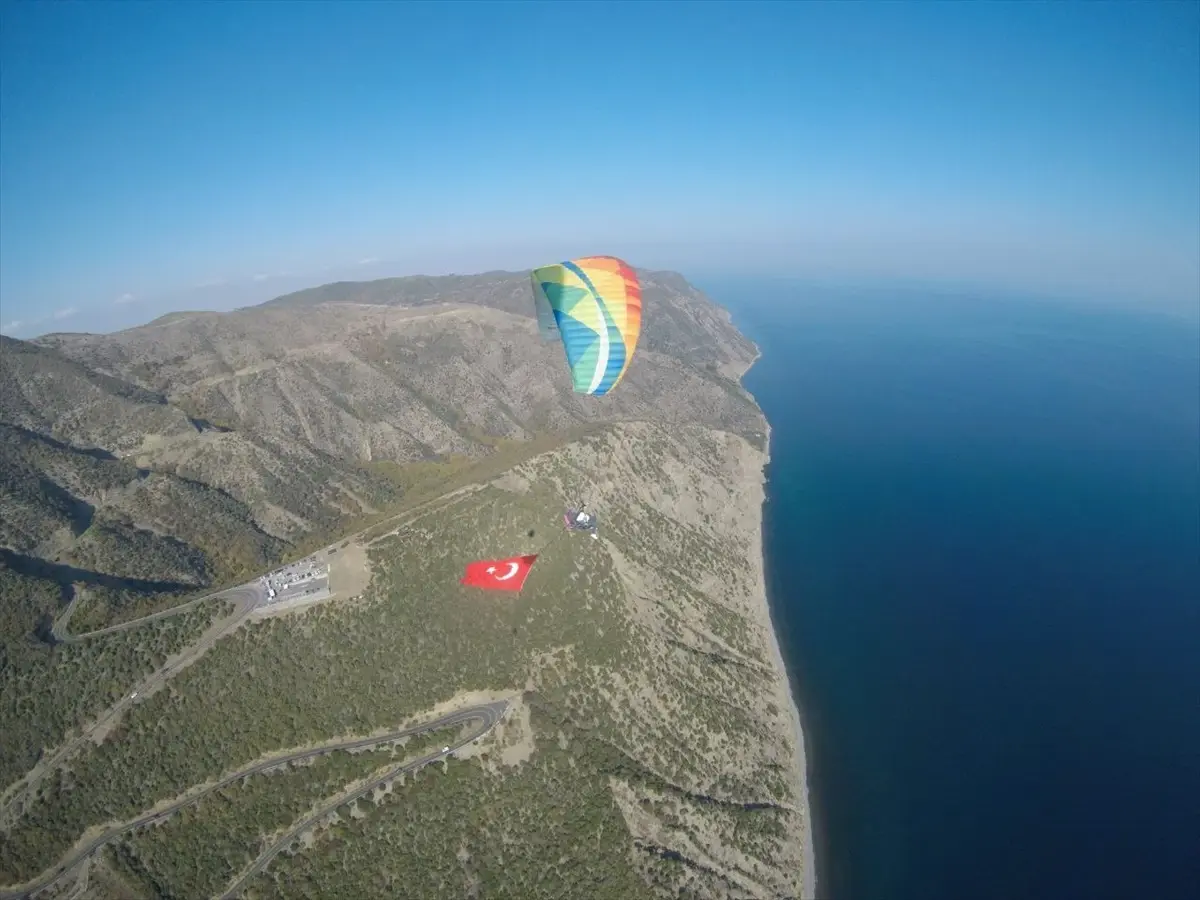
{"x":410,"y":368}
{"x":648,"y":751}
{"x":292,"y":418}
{"x":202,"y":447}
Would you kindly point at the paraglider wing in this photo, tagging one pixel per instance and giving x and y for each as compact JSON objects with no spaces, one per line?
{"x":547,"y":327}
{"x":594,"y":305}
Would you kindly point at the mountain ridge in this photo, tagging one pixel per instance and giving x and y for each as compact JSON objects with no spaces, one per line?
{"x":293,"y":417}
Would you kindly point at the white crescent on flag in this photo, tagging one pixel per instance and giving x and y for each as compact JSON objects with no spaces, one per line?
{"x":512,"y":570}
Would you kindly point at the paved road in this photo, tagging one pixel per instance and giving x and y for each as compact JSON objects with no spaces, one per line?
{"x":61,"y":635}
{"x":245,"y":599}
{"x":58,"y":630}
{"x":496,"y":712}
{"x":487,"y":715}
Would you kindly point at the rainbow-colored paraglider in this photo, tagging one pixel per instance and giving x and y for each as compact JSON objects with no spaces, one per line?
{"x":594,"y":304}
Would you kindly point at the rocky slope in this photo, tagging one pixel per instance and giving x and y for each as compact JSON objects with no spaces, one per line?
{"x":76,"y":510}
{"x":270,"y":422}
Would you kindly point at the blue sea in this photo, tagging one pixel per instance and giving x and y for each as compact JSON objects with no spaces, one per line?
{"x":983,"y":551}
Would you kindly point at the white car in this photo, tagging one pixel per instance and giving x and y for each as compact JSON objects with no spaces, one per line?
{"x":445,"y":749}
{"x":133,"y":696}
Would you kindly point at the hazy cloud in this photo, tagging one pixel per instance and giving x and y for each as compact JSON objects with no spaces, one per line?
{"x":124,"y":298}
{"x":261,"y":277}
{"x":368,"y":260}
{"x":10,"y":327}
{"x":65,"y":313}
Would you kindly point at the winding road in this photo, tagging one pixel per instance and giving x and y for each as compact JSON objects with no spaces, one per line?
{"x":245,"y":599}
{"x":59,"y":629}
{"x":487,"y":715}
{"x":62,"y":636}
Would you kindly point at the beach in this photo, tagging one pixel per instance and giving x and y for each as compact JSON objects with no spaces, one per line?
{"x":809,"y":885}
{"x":809,"y":874}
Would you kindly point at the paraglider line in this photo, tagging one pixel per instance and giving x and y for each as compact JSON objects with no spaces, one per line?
{"x":550,"y":543}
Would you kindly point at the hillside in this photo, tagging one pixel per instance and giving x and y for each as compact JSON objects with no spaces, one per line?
{"x":292,"y":416}
{"x":297,"y":398}
{"x":205,"y":446}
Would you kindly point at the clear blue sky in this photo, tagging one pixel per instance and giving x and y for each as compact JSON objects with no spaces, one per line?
{"x":148,"y":148}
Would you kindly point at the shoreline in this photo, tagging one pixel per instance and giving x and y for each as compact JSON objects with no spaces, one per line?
{"x":808,"y":887}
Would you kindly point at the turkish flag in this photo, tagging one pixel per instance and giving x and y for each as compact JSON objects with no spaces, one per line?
{"x":498,"y":574}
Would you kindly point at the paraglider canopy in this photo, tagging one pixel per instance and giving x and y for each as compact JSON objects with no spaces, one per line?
{"x":594,"y":305}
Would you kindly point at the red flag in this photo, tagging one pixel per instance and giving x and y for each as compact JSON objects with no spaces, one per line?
{"x":498,"y":574}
